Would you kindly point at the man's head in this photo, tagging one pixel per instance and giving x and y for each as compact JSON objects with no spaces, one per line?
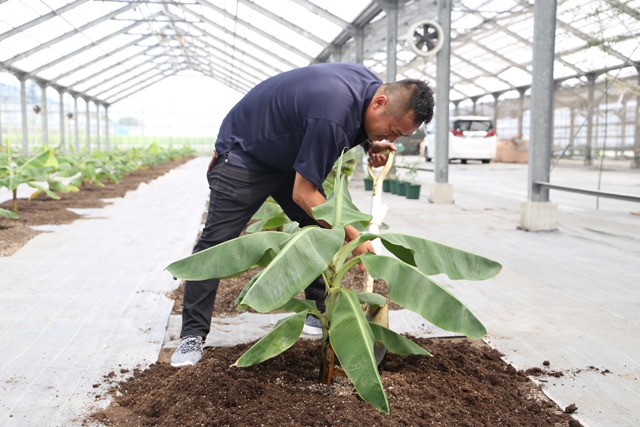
{"x":398,"y":109}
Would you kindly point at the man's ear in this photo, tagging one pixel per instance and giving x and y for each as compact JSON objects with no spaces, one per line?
{"x":379,"y":102}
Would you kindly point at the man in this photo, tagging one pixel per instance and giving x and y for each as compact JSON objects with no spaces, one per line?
{"x":281,"y":140}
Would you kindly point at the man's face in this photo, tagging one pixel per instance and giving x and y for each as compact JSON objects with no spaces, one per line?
{"x":380,"y":126}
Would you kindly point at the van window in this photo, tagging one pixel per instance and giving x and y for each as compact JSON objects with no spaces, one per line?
{"x":473,"y":125}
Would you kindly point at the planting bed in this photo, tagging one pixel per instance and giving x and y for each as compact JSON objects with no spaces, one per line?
{"x":42,"y":210}
{"x":465,"y":383}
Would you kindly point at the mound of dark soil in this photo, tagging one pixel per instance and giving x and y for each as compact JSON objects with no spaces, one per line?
{"x":465,"y":383}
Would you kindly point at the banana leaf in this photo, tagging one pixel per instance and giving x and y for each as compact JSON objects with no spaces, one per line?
{"x":304,"y":257}
{"x":434,"y":258}
{"x":415,"y":291}
{"x":352,"y":340}
{"x":394,"y":342}
{"x":282,"y":336}
{"x":229,"y":258}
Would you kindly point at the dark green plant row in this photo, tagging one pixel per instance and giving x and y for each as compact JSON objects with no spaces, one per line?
{"x":51,"y":173}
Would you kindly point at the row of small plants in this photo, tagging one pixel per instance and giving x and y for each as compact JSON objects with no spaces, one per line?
{"x":51,"y":173}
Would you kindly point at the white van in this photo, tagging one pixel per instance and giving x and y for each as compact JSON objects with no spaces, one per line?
{"x":470,"y":138}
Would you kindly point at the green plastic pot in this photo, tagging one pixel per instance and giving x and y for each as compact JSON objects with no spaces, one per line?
{"x":402,"y":188}
{"x":393,"y":186}
{"x":368,"y":184}
{"x":413,"y":191}
{"x":386,"y":186}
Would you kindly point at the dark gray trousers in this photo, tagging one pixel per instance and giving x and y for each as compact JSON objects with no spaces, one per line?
{"x":236,"y":195}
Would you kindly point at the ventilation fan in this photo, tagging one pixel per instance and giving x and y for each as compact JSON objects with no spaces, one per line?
{"x":425,"y":37}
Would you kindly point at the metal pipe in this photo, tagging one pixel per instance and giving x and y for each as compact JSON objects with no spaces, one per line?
{"x":443,"y":61}
{"x":544,"y":30}
{"x":23,"y":107}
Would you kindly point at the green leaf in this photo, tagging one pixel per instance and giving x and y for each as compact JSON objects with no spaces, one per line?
{"x":340,"y":201}
{"x":412,"y":289}
{"x":42,"y":189}
{"x":282,"y":336}
{"x":256,"y":226}
{"x":352,"y":340}
{"x":435,"y":258}
{"x":243,"y":292}
{"x":268,"y":210}
{"x":229,"y":258}
{"x":394,"y":342}
{"x":61,"y":187}
{"x":298,"y":305}
{"x":8,"y":214}
{"x":372,"y":299}
{"x":305,"y":256}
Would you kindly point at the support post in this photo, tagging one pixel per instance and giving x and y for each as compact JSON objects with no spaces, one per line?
{"x":106,"y":126}
{"x":1,"y":141}
{"x":98,"y":126}
{"x":88,"y":122}
{"x":521,"y":91}
{"x":358,"y":35}
{"x":62,"y":141}
{"x":23,"y":108}
{"x":588,"y":159}
{"x":496,"y":96}
{"x":77,"y":125}
{"x":538,"y":213}
{"x":45,"y":115}
{"x":636,"y":133}
{"x":441,"y":191}
{"x":392,"y":39}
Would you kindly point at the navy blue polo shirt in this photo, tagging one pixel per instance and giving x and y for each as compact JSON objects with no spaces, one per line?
{"x":299,"y":120}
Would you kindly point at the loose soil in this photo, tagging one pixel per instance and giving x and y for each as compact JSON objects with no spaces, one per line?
{"x":464,"y":383}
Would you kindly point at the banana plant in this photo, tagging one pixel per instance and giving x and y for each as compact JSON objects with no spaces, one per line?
{"x":292,"y":261}
{"x":30,"y":171}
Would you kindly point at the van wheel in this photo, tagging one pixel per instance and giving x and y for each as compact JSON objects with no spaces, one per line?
{"x":485,"y":162}
{"x":463,"y":161}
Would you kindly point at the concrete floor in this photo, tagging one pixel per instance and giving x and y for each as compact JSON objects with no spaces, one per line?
{"x":73,"y":310}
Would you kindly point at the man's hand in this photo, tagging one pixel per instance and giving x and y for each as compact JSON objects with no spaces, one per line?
{"x":363,"y":248}
{"x":378,"y":153}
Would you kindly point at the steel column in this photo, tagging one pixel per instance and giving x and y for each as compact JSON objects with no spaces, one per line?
{"x":636,"y":132}
{"x":88,"y":122}
{"x":23,"y":107}
{"x":1,"y":142}
{"x":392,"y":39}
{"x":521,"y":112}
{"x":106,"y":130}
{"x":62,"y":142}
{"x":495,"y":110}
{"x":588,"y":160}
{"x":443,"y":61}
{"x":358,"y":35}
{"x":77,"y":125}
{"x":542,"y":86}
{"x":98,"y":126}
{"x":45,"y":115}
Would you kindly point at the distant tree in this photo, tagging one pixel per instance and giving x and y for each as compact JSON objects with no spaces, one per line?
{"x":129,"y":121}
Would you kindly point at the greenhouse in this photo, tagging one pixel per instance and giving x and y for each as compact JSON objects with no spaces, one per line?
{"x":507,"y":225}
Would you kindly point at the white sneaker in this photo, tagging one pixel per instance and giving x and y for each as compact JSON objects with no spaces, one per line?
{"x":188,"y":353}
{"x":312,"y":325}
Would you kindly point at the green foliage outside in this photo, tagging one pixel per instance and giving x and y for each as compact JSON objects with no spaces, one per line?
{"x":292,"y":261}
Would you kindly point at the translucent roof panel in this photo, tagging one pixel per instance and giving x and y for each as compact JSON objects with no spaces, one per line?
{"x":105,"y":50}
